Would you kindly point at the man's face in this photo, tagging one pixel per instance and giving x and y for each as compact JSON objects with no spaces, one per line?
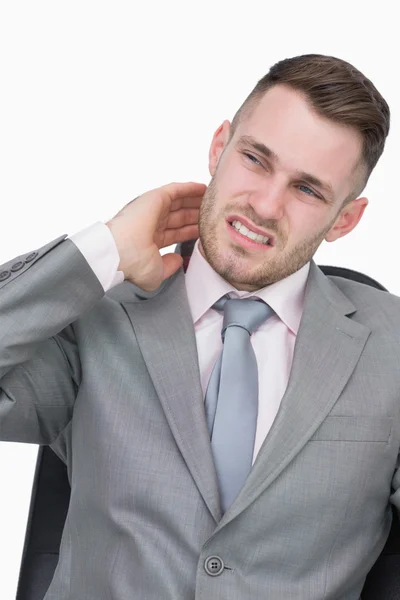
{"x":292,"y":189}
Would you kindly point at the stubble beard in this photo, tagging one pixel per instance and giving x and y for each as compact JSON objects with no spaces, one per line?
{"x":234,"y":264}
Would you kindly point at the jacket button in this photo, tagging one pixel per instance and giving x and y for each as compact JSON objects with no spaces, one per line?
{"x":214,"y":565}
{"x":31,"y":256}
{"x":17,"y":266}
{"x":4,"y":275}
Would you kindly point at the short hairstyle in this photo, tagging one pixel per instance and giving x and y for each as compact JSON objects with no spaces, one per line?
{"x":335,"y":90}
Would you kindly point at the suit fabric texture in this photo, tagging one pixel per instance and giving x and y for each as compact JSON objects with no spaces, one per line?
{"x":111,"y":382}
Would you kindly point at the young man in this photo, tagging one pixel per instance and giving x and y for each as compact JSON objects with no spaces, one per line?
{"x":147,"y":391}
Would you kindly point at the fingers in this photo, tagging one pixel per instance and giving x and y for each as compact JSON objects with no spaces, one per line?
{"x":180,"y":218}
{"x":186,"y":202}
{"x":187,"y":189}
{"x":174,"y":236}
{"x":184,"y":209}
{"x":188,"y":195}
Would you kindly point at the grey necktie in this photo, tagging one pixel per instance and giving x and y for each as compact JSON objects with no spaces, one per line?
{"x":231,"y":402}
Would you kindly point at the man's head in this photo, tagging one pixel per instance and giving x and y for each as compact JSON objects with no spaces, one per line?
{"x":292,"y":164}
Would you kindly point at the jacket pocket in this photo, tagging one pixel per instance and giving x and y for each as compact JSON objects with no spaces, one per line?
{"x":353,"y":429}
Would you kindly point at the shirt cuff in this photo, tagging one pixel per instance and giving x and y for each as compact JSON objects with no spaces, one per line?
{"x":98,"y":246}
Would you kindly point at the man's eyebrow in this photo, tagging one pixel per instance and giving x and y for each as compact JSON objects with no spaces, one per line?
{"x":248,"y":140}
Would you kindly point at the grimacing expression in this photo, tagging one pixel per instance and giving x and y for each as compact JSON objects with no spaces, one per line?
{"x":287,"y":171}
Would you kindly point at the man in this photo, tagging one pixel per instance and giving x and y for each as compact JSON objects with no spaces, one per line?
{"x":127,"y":386}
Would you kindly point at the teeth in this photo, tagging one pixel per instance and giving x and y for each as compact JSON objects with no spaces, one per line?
{"x":250,"y":234}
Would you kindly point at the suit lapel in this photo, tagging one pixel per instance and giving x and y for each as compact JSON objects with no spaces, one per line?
{"x":164,"y":329}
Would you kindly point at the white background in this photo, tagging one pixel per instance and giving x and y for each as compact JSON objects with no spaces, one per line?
{"x":101,"y":101}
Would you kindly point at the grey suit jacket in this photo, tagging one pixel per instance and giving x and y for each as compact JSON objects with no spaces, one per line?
{"x":111,"y":382}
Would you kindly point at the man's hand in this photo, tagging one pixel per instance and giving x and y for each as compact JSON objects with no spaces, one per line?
{"x":161,"y":217}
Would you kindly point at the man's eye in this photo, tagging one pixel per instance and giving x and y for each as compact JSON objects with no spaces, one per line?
{"x":309,"y":191}
{"x":252,"y":158}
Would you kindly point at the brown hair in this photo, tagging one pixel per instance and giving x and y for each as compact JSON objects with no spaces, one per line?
{"x":335,"y":90}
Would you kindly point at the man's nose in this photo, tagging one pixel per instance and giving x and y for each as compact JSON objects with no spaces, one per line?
{"x":269,"y":201}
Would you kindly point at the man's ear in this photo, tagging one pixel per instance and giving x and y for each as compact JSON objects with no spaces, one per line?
{"x":219,"y":141}
{"x":347,"y":219}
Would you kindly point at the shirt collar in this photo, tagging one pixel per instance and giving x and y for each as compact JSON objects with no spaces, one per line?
{"x":205,"y":286}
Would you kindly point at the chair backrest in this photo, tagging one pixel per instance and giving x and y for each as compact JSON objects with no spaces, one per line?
{"x":50,"y":500}
{"x":47,"y":513}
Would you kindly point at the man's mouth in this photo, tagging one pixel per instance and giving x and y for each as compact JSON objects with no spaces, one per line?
{"x":252,"y":245}
{"x":247,"y":232}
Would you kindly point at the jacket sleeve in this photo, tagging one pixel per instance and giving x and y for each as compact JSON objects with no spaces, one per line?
{"x":42,"y":293}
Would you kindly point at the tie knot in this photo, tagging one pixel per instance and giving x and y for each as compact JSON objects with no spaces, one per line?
{"x":248,"y":313}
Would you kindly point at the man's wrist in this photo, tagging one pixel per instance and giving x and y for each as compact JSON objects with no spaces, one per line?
{"x":98,"y":246}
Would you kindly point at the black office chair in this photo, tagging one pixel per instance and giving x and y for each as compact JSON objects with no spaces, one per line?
{"x":50,"y":500}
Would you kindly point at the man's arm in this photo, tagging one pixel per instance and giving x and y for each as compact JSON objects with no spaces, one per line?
{"x":41,"y":294}
{"x":44,"y":292}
